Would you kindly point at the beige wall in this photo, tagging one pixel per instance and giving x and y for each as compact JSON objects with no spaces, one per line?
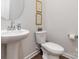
{"x":61,"y":19}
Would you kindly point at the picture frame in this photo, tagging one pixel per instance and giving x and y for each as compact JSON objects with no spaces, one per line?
{"x":38,"y":12}
{"x":38,"y":19}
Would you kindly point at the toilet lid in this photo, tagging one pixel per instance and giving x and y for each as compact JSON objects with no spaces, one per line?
{"x":53,"y":47}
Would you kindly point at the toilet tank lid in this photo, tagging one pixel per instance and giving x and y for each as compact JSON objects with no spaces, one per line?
{"x":41,"y":32}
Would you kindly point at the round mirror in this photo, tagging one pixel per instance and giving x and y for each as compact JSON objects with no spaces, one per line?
{"x":11,"y":9}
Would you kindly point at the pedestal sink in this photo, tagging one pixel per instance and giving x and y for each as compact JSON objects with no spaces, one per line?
{"x":9,"y":36}
{"x":12,"y":39}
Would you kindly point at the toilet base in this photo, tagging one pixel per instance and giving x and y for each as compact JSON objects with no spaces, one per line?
{"x":49,"y":57}
{"x":53,"y":57}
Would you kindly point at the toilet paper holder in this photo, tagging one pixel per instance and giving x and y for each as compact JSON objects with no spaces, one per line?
{"x":72,"y":36}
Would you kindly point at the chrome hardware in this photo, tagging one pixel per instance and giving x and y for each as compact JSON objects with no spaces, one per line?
{"x":18,"y":26}
{"x":12,"y":26}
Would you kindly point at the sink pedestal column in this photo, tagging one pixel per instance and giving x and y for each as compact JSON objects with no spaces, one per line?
{"x":14,"y":50}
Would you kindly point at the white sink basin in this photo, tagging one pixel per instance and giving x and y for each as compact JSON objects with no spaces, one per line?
{"x":8,"y":36}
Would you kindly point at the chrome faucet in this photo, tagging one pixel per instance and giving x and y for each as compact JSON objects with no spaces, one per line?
{"x":12,"y":26}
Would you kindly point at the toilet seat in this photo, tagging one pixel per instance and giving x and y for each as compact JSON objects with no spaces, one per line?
{"x":53,"y":48}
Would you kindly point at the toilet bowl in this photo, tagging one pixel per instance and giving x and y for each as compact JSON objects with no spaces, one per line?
{"x":50,"y":50}
{"x":53,"y":48}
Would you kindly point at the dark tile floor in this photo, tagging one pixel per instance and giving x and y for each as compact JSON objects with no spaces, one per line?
{"x":39,"y":56}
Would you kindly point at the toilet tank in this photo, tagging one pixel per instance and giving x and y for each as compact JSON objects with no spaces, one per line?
{"x":41,"y":37}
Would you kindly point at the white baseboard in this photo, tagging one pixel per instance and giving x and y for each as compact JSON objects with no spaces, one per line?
{"x":68,"y":55}
{"x":37,"y":51}
{"x":32,"y":54}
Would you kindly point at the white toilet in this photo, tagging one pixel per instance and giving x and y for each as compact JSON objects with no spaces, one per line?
{"x":50,"y":50}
